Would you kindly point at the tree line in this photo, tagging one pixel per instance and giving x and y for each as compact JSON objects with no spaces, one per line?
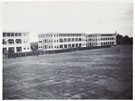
{"x":124,"y":40}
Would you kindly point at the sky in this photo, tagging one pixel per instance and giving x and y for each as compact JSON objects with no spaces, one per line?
{"x":99,"y":16}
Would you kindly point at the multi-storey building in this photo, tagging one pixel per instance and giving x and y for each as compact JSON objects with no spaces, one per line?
{"x":15,"y":42}
{"x":60,"y":41}
{"x":100,"y":39}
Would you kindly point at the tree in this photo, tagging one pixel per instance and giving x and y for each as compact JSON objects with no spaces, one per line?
{"x":119,"y":39}
{"x":126,"y":40}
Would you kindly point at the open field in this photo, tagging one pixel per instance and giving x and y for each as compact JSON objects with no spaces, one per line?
{"x":89,"y":74}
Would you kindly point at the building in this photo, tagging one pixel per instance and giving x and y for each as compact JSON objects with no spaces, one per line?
{"x":16,"y":42}
{"x":100,"y":39}
{"x":60,"y":41}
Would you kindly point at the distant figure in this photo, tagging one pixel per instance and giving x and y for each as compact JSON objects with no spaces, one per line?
{"x":118,"y":49}
{"x":15,"y":56}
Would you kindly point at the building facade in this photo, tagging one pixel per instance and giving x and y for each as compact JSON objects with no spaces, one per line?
{"x":60,"y":41}
{"x":16,"y":42}
{"x":100,"y":39}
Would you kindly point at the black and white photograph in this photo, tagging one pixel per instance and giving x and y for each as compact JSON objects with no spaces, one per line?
{"x":59,"y":50}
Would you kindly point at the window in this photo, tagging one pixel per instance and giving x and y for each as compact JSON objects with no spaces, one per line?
{"x":11,"y":50}
{"x":61,"y":40}
{"x":4,"y":34}
{"x":18,"y":41}
{"x":24,"y":48}
{"x":19,"y":49}
{"x":65,"y":40}
{"x":45,"y":46}
{"x":79,"y":39}
{"x":65,"y":46}
{"x":15,"y":34}
{"x":12,"y":34}
{"x":8,"y":34}
{"x":4,"y":50}
{"x":69,"y":45}
{"x":19,"y":34}
{"x":79,"y":44}
{"x":76,"y":45}
{"x":10,"y":41}
{"x":68,"y":39}
{"x":72,"y":39}
{"x":61,"y":46}
{"x":4,"y":41}
{"x":40,"y":41}
{"x":76,"y":39}
{"x":73,"y":45}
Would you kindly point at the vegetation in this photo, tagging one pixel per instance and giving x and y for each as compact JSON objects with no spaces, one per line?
{"x":124,"y":40}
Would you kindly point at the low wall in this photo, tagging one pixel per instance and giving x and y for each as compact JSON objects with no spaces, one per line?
{"x":39,"y":52}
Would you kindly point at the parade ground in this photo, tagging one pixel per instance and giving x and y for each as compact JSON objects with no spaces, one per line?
{"x":89,"y":74}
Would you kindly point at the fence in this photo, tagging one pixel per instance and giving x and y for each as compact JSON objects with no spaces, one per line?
{"x":39,"y":52}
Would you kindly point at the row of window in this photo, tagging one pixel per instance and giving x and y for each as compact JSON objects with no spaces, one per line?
{"x":26,"y":48}
{"x":11,"y":34}
{"x":70,"y":34}
{"x":99,"y":39}
{"x":91,"y":44}
{"x":91,"y":40}
{"x":62,"y":46}
{"x":102,"y":43}
{"x":62,"y":40}
{"x":14,"y":34}
{"x":48,"y":35}
{"x":91,"y":35}
{"x":48,"y":41}
{"x":107,"y":38}
{"x":107,"y":34}
{"x":106,"y":43}
{"x":11,"y":41}
{"x":70,"y":39}
{"x":12,"y":49}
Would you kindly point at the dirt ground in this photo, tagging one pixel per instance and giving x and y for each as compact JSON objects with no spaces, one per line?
{"x":89,"y":74}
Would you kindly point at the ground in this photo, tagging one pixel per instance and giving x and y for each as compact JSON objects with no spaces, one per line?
{"x":89,"y":74}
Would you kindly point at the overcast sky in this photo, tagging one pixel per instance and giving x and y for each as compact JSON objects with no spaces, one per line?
{"x":68,"y":16}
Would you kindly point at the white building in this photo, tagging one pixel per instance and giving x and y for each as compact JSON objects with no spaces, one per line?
{"x":60,"y":41}
{"x":100,"y":39}
{"x":15,"y":42}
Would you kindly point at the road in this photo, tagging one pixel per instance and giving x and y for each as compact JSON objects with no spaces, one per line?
{"x":90,"y":74}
